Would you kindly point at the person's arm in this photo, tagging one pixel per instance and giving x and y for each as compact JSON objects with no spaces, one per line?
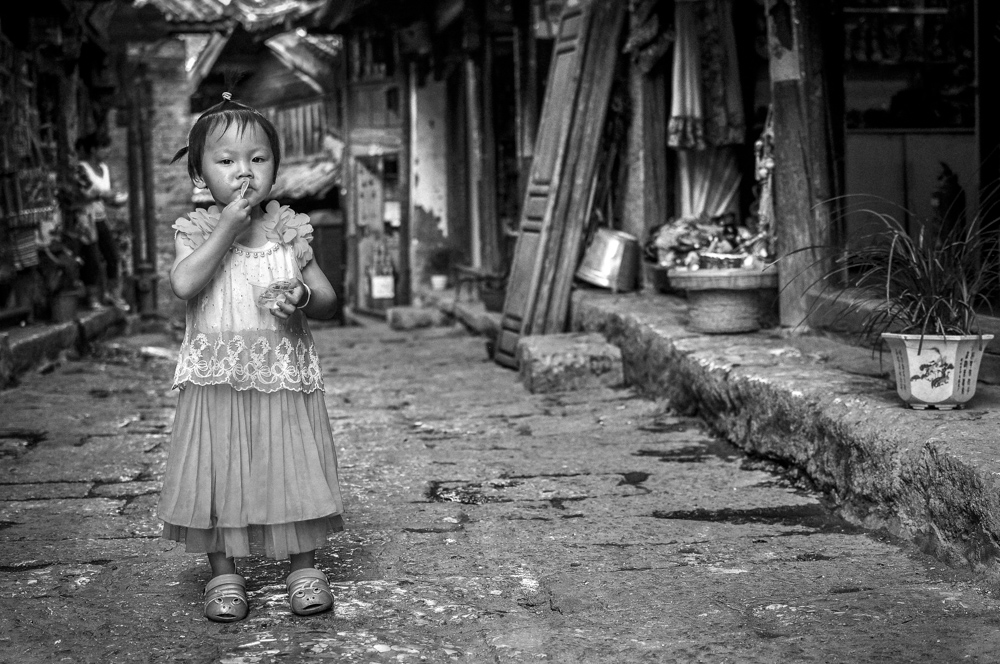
{"x":318,"y":301}
{"x":194,"y":268}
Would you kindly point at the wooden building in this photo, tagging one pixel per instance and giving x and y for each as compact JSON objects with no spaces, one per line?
{"x":441,"y":106}
{"x":57,"y":83}
{"x":446,"y":119}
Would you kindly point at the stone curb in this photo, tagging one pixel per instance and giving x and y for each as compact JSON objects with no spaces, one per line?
{"x":929,"y":477}
{"x":21,"y":349}
{"x":471,"y":313}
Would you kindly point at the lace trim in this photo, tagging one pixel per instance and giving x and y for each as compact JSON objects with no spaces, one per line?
{"x":246,"y":363}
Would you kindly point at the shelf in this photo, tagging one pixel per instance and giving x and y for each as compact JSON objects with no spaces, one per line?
{"x":898,"y":11}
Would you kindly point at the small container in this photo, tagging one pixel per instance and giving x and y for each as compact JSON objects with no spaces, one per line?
{"x":266,"y":295}
{"x":611,"y":261}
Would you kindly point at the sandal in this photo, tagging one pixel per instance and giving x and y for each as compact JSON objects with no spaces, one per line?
{"x":226,"y":598}
{"x":309,"y":592}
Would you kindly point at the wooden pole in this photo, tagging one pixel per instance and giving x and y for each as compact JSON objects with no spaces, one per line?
{"x":525,"y":89}
{"x":404,"y":289}
{"x":144,"y":116}
{"x":140,"y":265}
{"x":489,"y":219}
{"x":804,"y":148}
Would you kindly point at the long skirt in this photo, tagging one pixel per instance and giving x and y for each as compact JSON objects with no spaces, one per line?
{"x":250,"y":472}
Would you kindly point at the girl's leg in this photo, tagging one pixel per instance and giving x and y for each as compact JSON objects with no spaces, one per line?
{"x":112,"y":266}
{"x":220,"y":564}
{"x":90,"y":273}
{"x":109,"y":250}
{"x":308,"y":588}
{"x":297,"y":561}
{"x":225,"y":594}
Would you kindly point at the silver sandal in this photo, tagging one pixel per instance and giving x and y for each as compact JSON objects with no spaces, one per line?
{"x":309,"y":592}
{"x":226,"y":598}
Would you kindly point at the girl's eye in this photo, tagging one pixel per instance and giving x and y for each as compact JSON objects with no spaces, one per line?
{"x":225,"y":161}
{"x":260,"y":160}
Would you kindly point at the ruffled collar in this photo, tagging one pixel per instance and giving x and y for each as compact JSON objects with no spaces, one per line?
{"x":281,"y":224}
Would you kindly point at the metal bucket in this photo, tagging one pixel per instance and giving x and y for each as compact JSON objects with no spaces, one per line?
{"x":611,"y":261}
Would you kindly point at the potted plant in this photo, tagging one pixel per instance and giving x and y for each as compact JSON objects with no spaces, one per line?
{"x":722,"y":266}
{"x":921,"y":294}
{"x":439,"y":266}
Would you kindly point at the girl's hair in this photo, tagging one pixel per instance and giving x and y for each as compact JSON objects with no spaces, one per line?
{"x":87,"y":144}
{"x":225,"y":114}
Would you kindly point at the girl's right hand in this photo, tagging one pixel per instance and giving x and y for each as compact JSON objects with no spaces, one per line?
{"x":235,"y":218}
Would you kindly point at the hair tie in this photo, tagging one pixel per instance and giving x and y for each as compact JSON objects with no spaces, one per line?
{"x":228,"y":96}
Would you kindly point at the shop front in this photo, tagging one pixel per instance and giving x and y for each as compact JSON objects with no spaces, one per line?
{"x":911,"y":146}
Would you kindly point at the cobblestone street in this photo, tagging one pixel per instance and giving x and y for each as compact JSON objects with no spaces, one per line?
{"x":484,"y":524}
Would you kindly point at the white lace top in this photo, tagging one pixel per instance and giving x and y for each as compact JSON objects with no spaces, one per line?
{"x":100,"y":185}
{"x":228,"y":338}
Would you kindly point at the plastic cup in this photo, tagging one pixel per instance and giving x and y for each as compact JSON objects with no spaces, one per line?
{"x":266,"y":295}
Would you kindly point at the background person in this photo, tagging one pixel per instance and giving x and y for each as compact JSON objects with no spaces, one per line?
{"x":101,"y":269}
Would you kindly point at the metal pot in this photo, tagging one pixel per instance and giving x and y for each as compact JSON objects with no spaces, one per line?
{"x":611,"y":260}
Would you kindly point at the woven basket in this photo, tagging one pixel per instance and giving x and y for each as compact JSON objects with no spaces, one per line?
{"x":726,"y":301}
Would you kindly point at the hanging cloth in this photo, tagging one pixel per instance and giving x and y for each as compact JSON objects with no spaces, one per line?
{"x":686,"y":128}
{"x":706,"y":117}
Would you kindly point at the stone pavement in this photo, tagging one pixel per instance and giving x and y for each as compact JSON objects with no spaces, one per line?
{"x":820,"y":407}
{"x":829,"y":411}
{"x":484,"y":524}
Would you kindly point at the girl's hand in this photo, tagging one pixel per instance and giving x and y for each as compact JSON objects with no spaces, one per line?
{"x":286,"y":304}
{"x":235,"y":218}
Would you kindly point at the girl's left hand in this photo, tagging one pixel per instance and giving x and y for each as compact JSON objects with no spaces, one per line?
{"x":285,"y":305}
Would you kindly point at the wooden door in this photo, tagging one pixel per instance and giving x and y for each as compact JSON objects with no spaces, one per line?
{"x":546,"y":171}
{"x":368,"y":205}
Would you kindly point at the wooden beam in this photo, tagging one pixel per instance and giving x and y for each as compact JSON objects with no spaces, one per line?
{"x":546,"y":174}
{"x":492,"y":256}
{"x":575,"y":198}
{"x":804,"y":174}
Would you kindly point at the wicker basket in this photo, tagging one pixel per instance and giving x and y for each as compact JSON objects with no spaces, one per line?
{"x":727,"y":301}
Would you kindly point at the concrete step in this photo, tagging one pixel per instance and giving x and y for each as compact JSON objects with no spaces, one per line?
{"x":562,"y":362}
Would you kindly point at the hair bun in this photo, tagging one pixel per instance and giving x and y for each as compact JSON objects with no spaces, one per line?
{"x":228,"y":96}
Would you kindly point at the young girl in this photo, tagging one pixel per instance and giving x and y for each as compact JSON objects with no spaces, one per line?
{"x":251,"y":459}
{"x":101,"y":267}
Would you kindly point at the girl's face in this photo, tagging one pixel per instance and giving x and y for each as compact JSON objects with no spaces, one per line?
{"x":235,"y":156}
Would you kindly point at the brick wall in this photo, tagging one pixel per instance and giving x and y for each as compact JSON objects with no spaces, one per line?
{"x":171,"y":120}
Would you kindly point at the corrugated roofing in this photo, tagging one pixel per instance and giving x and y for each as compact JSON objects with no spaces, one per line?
{"x":252,"y":14}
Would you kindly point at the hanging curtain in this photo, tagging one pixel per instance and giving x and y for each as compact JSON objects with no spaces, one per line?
{"x":706,"y":116}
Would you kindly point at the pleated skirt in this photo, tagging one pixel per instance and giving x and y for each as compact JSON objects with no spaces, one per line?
{"x":250,"y":472}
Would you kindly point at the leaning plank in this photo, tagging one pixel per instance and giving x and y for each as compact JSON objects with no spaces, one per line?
{"x":574,"y":198}
{"x":546,"y":173}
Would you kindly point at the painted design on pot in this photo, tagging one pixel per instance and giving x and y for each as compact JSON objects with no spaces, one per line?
{"x":937,"y":371}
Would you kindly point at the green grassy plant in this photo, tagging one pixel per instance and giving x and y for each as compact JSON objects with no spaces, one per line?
{"x":921,"y":283}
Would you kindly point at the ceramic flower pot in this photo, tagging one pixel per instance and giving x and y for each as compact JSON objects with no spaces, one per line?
{"x":439,"y":282}
{"x":939,"y":372}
